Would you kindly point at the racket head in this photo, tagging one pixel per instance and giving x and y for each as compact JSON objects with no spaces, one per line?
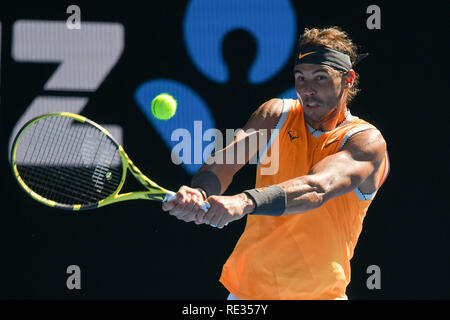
{"x":67,"y":161}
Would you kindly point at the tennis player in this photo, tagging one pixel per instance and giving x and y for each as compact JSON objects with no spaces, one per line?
{"x":304,"y":219}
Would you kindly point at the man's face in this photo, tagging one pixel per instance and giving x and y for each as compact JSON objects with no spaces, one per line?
{"x":320,"y":89}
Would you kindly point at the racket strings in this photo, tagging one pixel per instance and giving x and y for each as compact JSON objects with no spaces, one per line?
{"x":68,"y":162}
{"x":51,"y":174}
{"x":76,"y":175}
{"x":53,"y":149}
{"x":35,"y":182}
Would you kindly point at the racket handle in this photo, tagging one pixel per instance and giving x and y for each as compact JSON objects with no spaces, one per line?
{"x":205,"y":206}
{"x":170,"y":195}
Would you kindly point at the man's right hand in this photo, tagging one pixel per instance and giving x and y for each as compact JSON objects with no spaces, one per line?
{"x":186,"y":205}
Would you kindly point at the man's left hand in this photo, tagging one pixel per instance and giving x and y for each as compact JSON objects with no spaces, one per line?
{"x":225,"y":209}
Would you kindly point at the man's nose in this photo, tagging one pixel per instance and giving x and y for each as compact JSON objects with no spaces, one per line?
{"x":308,"y":88}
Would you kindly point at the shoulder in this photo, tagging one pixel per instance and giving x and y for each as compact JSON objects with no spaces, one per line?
{"x":367,"y":145}
{"x":270,"y":108}
{"x":266,"y":116}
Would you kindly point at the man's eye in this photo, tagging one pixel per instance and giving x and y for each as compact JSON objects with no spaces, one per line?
{"x":299,"y":78}
{"x":321,"y":78}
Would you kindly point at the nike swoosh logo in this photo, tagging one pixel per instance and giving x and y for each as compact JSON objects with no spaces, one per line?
{"x":300,"y":56}
{"x":331,"y":143}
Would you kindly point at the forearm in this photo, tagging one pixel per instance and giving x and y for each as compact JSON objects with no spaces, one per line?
{"x":222,"y":172}
{"x":226,"y":162}
{"x":302,"y":194}
{"x":293,"y":196}
{"x":215,"y":178}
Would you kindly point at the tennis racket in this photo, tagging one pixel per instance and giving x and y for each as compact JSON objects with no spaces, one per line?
{"x":67,"y":161}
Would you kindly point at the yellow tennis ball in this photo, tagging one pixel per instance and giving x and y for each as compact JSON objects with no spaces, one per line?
{"x":164,"y":106}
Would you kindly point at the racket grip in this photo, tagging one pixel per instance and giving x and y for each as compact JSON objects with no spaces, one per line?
{"x":170,"y":195}
{"x":205,"y":206}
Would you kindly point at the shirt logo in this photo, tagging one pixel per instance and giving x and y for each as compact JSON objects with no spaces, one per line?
{"x":300,"y":56}
{"x":292,"y":135}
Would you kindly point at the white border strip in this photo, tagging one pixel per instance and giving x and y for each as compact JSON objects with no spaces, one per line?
{"x":316,"y":133}
{"x":359,"y":194}
{"x":277,"y":129}
{"x":353,"y":132}
{"x":370,"y":196}
{"x":365,"y":196}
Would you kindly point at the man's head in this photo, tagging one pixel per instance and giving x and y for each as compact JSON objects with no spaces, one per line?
{"x":324,"y":78}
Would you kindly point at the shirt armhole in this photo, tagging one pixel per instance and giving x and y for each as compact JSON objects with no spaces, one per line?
{"x":276,"y":130}
{"x":357,"y":191}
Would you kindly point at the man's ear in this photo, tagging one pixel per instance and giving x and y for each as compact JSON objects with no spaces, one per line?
{"x":349,"y":78}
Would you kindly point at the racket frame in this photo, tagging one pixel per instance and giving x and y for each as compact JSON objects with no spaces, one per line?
{"x":155,"y":192}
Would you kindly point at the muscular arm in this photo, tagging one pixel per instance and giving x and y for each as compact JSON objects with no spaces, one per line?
{"x":336,"y":174}
{"x":265,"y":117}
{"x":331,"y":177}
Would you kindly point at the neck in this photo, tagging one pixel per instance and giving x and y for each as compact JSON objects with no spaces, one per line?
{"x":330,"y":121}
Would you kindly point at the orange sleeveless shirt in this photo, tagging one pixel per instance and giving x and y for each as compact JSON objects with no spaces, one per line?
{"x":306,"y":255}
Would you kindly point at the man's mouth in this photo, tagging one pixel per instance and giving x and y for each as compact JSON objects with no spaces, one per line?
{"x":312,"y":104}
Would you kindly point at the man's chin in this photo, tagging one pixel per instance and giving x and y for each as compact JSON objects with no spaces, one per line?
{"x":313,"y":115}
